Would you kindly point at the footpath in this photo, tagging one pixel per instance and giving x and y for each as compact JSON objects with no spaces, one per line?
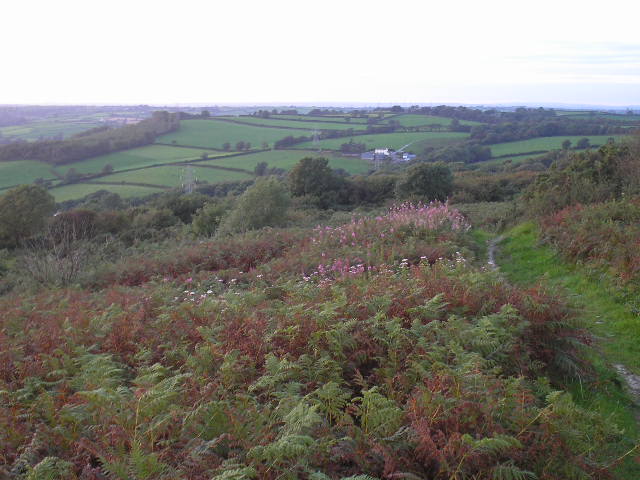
{"x":612,"y":321}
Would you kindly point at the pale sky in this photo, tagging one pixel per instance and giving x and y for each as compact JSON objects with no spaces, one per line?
{"x":285,"y":51}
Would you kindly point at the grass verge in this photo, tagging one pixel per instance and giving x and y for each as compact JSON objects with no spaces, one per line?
{"x":615,"y":327}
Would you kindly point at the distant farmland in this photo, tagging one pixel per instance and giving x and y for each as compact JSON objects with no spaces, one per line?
{"x":393,"y":140}
{"x":79,"y":190}
{"x":23,"y":171}
{"x":286,"y":159}
{"x":544,"y":144}
{"x":326,"y":118}
{"x":214,"y":133}
{"x":138,"y":157}
{"x":309,"y":125}
{"x":171,"y":175}
{"x":413,"y":120}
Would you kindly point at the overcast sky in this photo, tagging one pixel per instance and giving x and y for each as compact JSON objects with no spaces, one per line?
{"x":293,"y":51}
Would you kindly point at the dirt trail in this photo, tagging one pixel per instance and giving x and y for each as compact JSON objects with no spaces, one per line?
{"x":632,"y":380}
{"x":491,"y":252}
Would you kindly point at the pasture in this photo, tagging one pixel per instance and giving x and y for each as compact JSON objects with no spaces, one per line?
{"x":46,"y":129}
{"x":213,"y":133}
{"x":172,"y":175}
{"x":413,"y":120}
{"x":79,"y":190}
{"x":286,"y":159}
{"x":545,"y":144}
{"x":321,"y":118}
{"x":137,"y":157}
{"x":396,"y":140}
{"x":23,"y":171}
{"x":305,"y":125}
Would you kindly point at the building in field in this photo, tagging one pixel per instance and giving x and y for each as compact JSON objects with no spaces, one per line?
{"x":387,"y":154}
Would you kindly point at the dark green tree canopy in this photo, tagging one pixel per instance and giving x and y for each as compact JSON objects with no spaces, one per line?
{"x":426,"y":181}
{"x":23,"y":212}
{"x":313,"y":176}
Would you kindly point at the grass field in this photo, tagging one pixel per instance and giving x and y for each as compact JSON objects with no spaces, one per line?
{"x":622,"y":117}
{"x":515,"y":159}
{"x":286,"y":159}
{"x":137,"y":157}
{"x":545,"y":144}
{"x":171,"y":175}
{"x":393,"y":140}
{"x":79,"y":190}
{"x":274,"y":122}
{"x":23,"y":171}
{"x":214,"y":133}
{"x":413,"y":120}
{"x":321,"y":118}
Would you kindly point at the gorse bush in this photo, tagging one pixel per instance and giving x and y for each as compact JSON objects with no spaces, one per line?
{"x":236,"y":362}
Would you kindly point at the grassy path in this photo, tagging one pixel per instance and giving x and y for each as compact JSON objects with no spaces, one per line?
{"x":615,"y":327}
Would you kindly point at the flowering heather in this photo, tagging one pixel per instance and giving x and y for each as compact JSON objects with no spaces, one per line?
{"x":435,"y":216}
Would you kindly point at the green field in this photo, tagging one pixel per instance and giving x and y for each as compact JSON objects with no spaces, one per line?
{"x":413,"y":120}
{"x":171,"y":175}
{"x":137,"y":157}
{"x":514,"y":160}
{"x":545,"y":144}
{"x":46,"y":129}
{"x":79,"y":190}
{"x":286,"y":159}
{"x":334,"y":119}
{"x":393,"y":140}
{"x":274,"y":122}
{"x":23,"y":171}
{"x":214,"y":133}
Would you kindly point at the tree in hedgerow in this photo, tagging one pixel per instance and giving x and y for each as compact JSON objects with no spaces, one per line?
{"x":426,"y":181}
{"x":583,"y":143}
{"x":264,"y":204}
{"x":24,"y":211}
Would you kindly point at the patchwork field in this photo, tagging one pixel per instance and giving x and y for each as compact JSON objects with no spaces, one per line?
{"x":412,"y":120}
{"x":321,"y":118}
{"x":137,"y":157}
{"x":214,"y":133}
{"x":309,"y":125}
{"x":172,"y":175}
{"x":286,"y":159}
{"x":418,"y":141}
{"x":545,"y":144}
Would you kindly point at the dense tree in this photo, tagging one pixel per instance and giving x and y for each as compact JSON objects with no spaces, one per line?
{"x":24,"y":211}
{"x":312,"y":176}
{"x":426,"y":181}
{"x":261,"y":169}
{"x":583,"y":143}
{"x":265,"y":204}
